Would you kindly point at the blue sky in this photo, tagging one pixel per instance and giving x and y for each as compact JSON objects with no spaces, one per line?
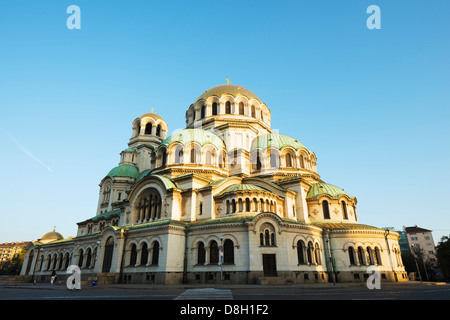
{"x":372,"y":104}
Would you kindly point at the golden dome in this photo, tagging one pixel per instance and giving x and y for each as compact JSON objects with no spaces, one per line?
{"x":231,"y":89}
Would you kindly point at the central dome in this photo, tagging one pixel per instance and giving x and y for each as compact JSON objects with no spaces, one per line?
{"x":231,"y":89}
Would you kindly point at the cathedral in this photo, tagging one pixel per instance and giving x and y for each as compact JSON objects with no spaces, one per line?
{"x":225,"y":200}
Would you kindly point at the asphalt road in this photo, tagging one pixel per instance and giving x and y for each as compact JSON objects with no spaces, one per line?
{"x":227,"y":302}
{"x":390,"y":291}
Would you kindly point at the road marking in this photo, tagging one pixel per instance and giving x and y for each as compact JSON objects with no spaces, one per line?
{"x":206,"y":294}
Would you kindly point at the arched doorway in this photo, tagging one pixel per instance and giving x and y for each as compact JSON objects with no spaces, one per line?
{"x":107,"y":258}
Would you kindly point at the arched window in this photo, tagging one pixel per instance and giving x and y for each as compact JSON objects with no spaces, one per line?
{"x":253,"y":112}
{"x":158,"y":130}
{"x":302,"y":162}
{"x":228,"y":206}
{"x":228,"y":252}
{"x":241,"y":108}
{"x":377,"y":256}
{"x":233,"y":206}
{"x":195,"y":158}
{"x":80,"y":259}
{"x":258,"y":161}
{"x":241,"y":205}
{"x":288,"y":160}
{"x":301,"y":252}
{"x":326,"y":210}
{"x":133,"y":255}
{"x":370,"y":255}
{"x":228,"y":107}
{"x":273,"y":160}
{"x":213,"y":252}
{"x":144,"y":254}
{"x":155,"y":253}
{"x":317,"y":253}
{"x":164,"y":158}
{"x":310,"y":252}
{"x":351,"y":255}
{"x":148,"y":128}
{"x":208,"y":158}
{"x":344,"y":210}
{"x":178,"y":154}
{"x":201,"y":254}
{"x":247,"y":205}
{"x":108,"y":254}
{"x":361,"y":259}
{"x":214,"y":108}
{"x":203,"y":112}
{"x":88,"y":258}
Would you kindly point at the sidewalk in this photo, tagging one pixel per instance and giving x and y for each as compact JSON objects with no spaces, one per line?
{"x":311,"y":286}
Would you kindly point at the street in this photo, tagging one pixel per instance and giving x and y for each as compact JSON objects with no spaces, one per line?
{"x":388,"y":291}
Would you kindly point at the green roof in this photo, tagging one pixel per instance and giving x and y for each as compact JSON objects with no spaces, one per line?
{"x":169,"y":184}
{"x":129,"y":150}
{"x":202,"y":137}
{"x":276,"y":140}
{"x":242,"y":187}
{"x":318,"y":189}
{"x":124,"y":170}
{"x":105,"y":215}
{"x":344,"y":226}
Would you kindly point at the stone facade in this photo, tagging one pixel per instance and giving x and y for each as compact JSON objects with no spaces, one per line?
{"x":227,"y":199}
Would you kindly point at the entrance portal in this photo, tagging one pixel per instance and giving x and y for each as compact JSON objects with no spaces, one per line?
{"x":269,"y":265}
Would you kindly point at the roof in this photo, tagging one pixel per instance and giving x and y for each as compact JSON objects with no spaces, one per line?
{"x":51,"y":236}
{"x":344,"y":226}
{"x":276,"y":140}
{"x":202,"y":137}
{"x":124,"y":170}
{"x":105,"y":215}
{"x":168,"y":183}
{"x":415,"y":229}
{"x":231,"y":89}
{"x":242,"y":187}
{"x":318,"y":189}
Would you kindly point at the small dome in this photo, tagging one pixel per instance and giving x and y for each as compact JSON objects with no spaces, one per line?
{"x":50,"y":237}
{"x":318,"y":189}
{"x":200,"y":136}
{"x":275,"y":140}
{"x":124,"y":170}
{"x":231,"y":89}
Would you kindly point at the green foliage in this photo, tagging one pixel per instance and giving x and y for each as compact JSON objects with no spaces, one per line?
{"x":443,"y":257}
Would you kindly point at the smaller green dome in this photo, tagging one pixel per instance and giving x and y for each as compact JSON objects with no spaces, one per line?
{"x":129,"y":150}
{"x":318,"y":189}
{"x":276,"y":140}
{"x":200,"y":136}
{"x":124,"y":170}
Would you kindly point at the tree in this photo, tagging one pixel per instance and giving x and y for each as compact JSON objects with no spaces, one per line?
{"x":443,"y":257}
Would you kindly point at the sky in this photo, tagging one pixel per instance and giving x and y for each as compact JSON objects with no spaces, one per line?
{"x":372,"y":104}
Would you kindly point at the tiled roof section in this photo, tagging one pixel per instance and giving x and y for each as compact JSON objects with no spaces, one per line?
{"x":275,"y":140}
{"x":325,"y":188}
{"x":202,"y":137}
{"x":344,"y":226}
{"x":242,"y":187}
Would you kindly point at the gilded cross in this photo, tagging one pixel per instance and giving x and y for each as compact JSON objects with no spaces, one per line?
{"x":152,"y":109}
{"x":228,"y":80}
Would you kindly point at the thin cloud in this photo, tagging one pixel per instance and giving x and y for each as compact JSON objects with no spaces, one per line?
{"x":29,"y":154}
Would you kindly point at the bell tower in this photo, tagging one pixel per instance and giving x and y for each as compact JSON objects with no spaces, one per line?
{"x":149,"y":130}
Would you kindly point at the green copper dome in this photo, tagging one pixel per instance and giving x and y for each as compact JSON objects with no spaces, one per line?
{"x":124,"y":170}
{"x":318,"y":189}
{"x":276,"y":140}
{"x":200,"y":136}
